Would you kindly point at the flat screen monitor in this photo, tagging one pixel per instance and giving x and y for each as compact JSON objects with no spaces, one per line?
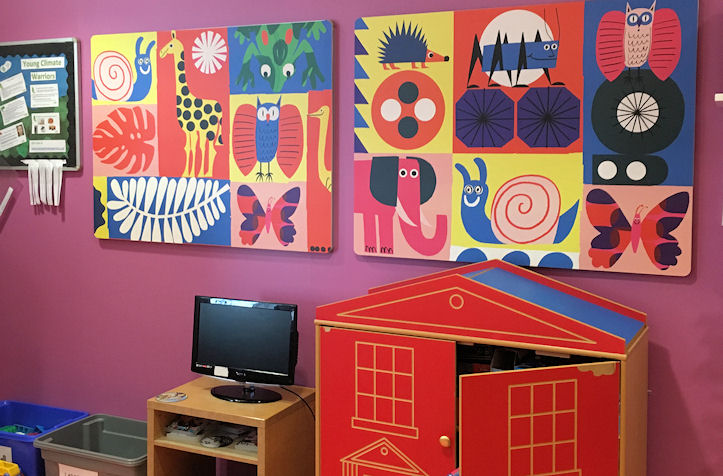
{"x":247,"y":341}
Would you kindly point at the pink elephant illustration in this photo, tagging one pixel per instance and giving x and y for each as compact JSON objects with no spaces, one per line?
{"x":392,"y":186}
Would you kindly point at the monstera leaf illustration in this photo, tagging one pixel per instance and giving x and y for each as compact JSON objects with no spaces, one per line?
{"x":172,"y":210}
{"x":122,"y":139}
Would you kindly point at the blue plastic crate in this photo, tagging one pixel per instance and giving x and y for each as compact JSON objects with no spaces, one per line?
{"x":33,"y":416}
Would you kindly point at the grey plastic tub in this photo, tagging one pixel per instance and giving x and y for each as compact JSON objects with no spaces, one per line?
{"x":105,"y":444}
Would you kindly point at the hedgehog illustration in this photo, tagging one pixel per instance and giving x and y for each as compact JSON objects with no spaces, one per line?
{"x":406,"y":46}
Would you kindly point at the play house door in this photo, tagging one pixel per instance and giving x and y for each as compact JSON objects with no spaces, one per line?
{"x":554,"y":421}
{"x":385,"y":401}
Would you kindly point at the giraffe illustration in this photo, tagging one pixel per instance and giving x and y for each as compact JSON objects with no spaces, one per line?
{"x":198,"y":118}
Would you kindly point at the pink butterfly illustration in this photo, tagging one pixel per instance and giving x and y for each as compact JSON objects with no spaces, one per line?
{"x":258,"y":219}
{"x":616,"y":233}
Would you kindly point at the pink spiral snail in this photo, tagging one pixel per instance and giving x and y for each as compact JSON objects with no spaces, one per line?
{"x":113,"y":77}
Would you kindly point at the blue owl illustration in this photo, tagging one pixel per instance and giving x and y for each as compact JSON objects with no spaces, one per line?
{"x":267,"y":132}
{"x":267,"y":135}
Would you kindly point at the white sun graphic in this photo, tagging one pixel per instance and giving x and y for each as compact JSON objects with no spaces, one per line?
{"x":209,"y":52}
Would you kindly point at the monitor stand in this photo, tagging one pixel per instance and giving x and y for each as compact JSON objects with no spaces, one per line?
{"x":245,"y":393}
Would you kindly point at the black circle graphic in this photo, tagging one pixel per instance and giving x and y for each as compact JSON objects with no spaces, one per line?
{"x":408,"y":92}
{"x":638,"y":113}
{"x":408,"y":127}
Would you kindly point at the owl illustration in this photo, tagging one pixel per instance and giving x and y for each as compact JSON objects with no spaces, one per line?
{"x":267,"y":132}
{"x":636,"y":37}
{"x":267,"y":136}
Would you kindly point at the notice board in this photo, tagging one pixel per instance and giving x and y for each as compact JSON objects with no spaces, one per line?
{"x":39,"y":102}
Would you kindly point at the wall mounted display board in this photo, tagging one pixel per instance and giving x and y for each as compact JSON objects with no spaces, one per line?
{"x":39,"y":102}
{"x":557,"y":135}
{"x":218,"y":136}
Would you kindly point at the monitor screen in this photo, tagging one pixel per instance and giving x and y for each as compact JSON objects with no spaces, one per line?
{"x":244,"y":340}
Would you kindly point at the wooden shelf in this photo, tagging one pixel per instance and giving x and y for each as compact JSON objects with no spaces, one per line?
{"x":229,"y":453}
{"x":285,"y":432}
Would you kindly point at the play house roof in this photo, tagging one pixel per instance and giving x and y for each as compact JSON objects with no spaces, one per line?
{"x":497,"y":303}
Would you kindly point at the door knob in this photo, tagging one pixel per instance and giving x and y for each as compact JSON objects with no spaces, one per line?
{"x":445,"y":441}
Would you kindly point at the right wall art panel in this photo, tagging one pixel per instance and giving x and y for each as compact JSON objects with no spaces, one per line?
{"x":556,"y":135}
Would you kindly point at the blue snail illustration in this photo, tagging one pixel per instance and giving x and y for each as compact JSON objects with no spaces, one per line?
{"x":112,"y":75}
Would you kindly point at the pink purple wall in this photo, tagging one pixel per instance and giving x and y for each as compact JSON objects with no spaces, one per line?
{"x":101,"y":326}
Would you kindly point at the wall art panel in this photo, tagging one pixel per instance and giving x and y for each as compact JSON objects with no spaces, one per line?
{"x":556,"y":135}
{"x":218,"y":136}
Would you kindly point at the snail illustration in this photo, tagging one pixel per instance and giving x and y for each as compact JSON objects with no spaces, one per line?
{"x":525,"y":210}
{"x":114,"y":75}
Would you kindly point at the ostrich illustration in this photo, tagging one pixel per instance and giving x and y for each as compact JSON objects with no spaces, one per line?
{"x":323,"y":115}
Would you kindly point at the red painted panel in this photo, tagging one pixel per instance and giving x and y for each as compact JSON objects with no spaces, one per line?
{"x":526,"y":273}
{"x":456,"y":306}
{"x":448,"y":272}
{"x":556,"y":420}
{"x":384,"y":402}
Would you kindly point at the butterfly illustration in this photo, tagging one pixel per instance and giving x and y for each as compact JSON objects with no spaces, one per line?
{"x":615,"y":232}
{"x":277,"y":214}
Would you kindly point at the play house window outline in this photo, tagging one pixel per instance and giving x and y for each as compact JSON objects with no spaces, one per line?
{"x":542,"y":418}
{"x":384,"y":376}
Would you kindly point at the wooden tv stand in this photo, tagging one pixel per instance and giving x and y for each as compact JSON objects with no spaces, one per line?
{"x":285,"y":433}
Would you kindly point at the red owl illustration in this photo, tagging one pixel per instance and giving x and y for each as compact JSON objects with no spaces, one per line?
{"x":636,"y":37}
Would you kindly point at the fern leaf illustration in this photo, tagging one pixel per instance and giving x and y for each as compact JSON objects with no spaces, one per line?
{"x":172,"y":210}
{"x":214,"y":211}
{"x":162,"y":186}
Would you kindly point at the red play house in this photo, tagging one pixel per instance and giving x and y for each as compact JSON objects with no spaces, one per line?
{"x":488,"y":367}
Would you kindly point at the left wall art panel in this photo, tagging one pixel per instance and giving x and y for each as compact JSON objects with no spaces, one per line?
{"x":216,"y":136}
